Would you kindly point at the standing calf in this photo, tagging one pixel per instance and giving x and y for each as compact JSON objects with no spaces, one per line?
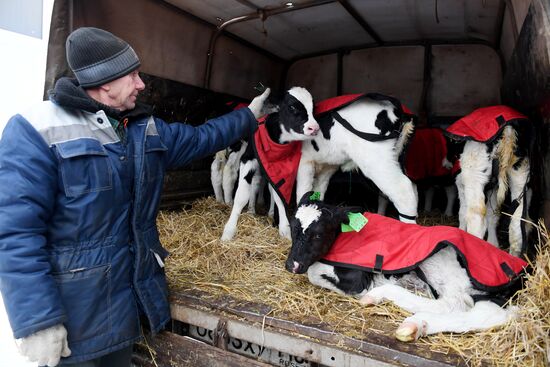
{"x":224,"y":171}
{"x":494,"y":160}
{"x":371,"y":263}
{"x":293,"y":122}
{"x":369,"y":132}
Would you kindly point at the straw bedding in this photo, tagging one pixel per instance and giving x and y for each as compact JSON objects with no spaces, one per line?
{"x":251,"y":268}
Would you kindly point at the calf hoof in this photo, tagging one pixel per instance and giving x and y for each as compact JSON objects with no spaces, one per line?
{"x":368,"y":300}
{"x":285,"y":232}
{"x":227,"y":236}
{"x":409,"y":331}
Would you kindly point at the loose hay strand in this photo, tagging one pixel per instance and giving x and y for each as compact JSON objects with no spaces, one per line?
{"x":251,"y":268}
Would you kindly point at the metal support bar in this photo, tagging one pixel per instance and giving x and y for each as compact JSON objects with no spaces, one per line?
{"x":262,"y":14}
{"x":248,"y":4}
{"x":362,"y":22}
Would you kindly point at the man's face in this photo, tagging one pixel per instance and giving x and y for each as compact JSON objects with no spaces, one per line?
{"x":123,"y":91}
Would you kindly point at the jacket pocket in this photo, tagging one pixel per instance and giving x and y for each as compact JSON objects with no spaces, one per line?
{"x":154,"y":152}
{"x":86,"y":295}
{"x":85,"y":167}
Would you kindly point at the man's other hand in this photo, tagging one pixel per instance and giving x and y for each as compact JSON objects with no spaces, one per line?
{"x":46,"y":346}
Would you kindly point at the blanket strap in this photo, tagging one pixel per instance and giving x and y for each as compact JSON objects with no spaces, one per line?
{"x":366,"y":136}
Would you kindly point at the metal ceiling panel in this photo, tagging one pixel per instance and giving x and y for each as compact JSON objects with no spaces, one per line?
{"x":305,"y":31}
{"x":406,"y":20}
{"x":330,"y":26}
{"x":212,"y":11}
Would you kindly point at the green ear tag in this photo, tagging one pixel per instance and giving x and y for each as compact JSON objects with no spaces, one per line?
{"x":315,"y":196}
{"x":356,"y":222}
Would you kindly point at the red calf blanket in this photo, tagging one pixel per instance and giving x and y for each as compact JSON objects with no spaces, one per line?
{"x":389,"y":246}
{"x":484,"y":124}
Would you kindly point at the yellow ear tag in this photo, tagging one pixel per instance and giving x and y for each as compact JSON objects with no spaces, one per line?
{"x":356,"y":222}
{"x":315,"y":196}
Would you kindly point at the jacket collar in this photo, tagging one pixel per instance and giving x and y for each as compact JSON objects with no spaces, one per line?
{"x":68,"y":93}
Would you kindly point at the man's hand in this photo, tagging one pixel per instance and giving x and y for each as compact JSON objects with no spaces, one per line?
{"x":257,"y":104}
{"x":46,"y":346}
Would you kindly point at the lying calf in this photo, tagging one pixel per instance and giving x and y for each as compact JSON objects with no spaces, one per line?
{"x":369,"y":263}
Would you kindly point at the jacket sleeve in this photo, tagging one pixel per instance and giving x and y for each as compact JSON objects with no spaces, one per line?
{"x":186,"y":143}
{"x":28,"y":185}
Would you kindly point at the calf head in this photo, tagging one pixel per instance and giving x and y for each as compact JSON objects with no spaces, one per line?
{"x":296,"y":115}
{"x":314,"y":229}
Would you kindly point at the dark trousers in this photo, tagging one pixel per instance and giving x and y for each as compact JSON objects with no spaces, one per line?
{"x":120,"y":358}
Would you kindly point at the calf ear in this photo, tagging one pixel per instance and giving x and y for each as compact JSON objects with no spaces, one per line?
{"x":305,"y":198}
{"x":342,"y":213}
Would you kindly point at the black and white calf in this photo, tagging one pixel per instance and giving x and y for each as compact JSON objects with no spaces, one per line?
{"x":491,"y":168}
{"x":369,"y":134}
{"x":459,"y":305}
{"x":293,"y":121}
{"x":224,"y":171}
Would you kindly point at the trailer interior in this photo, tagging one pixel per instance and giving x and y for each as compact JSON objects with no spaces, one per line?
{"x":441,"y":58}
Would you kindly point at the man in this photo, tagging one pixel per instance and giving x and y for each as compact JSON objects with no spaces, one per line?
{"x":80,"y":183}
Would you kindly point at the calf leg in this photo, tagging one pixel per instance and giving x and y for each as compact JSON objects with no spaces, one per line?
{"x":319,"y":275}
{"x":428,"y":199}
{"x":395,"y":185}
{"x":382,"y":204}
{"x":475,"y":172}
{"x":304,"y":177}
{"x":242,"y":196}
{"x":284,"y":225}
{"x":493,"y":216}
{"x":322,"y":179}
{"x":450,"y":192}
{"x":414,"y":303}
{"x":261,"y":200}
{"x":484,"y":315}
{"x":254,"y":190}
{"x":517,"y":178}
{"x":230,"y":175}
{"x":462,"y":203}
{"x":216,"y":177}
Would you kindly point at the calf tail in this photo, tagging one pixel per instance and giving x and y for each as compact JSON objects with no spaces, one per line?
{"x":506,"y":159}
{"x":405,"y":135}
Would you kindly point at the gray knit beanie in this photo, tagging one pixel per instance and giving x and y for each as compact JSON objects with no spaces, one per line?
{"x":97,"y":57}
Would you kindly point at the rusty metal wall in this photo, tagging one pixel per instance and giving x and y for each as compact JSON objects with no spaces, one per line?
{"x":171,"y":44}
{"x":463,"y":78}
{"x":317,"y":74}
{"x":526,"y":87}
{"x":395,"y":71}
{"x":515,"y":14}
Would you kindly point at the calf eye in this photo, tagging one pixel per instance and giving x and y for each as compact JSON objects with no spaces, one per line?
{"x":293,"y":109}
{"x":316,"y":236}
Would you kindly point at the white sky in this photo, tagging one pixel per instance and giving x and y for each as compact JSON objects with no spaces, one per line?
{"x":22,"y":72}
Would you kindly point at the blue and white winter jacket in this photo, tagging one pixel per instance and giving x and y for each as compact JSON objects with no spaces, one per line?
{"x":78,"y":239}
